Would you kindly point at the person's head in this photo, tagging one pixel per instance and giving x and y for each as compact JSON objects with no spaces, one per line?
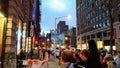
{"x":84,"y":54}
{"x":66,"y":56}
{"x":114,"y":52}
{"x":108,"y":57}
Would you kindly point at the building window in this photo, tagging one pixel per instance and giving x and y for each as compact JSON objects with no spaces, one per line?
{"x":96,"y":18}
{"x":104,"y":24}
{"x":91,"y":21}
{"x":103,"y":15}
{"x":97,"y":26}
{"x":119,"y":6}
{"x":100,"y":25}
{"x":108,"y":22}
{"x":112,"y":10}
{"x":107,"y":12}
{"x":100,"y":17}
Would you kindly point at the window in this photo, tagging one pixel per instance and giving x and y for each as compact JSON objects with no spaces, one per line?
{"x":107,"y":12}
{"x":100,"y":25}
{"x":100,"y":17}
{"x":96,"y":18}
{"x":96,"y":25}
{"x":103,"y":15}
{"x":91,"y":21}
{"x":96,"y":3}
{"x":104,"y":24}
{"x":112,"y":10}
{"x":108,"y":22}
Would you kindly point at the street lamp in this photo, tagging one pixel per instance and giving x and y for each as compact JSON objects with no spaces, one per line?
{"x":55,"y":31}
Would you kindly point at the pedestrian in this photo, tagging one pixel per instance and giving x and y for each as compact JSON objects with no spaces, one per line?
{"x":109,"y":62}
{"x":116,"y":58}
{"x":86,"y":60}
{"x":94,"y":54}
{"x":22,"y":55}
{"x":66,"y":59}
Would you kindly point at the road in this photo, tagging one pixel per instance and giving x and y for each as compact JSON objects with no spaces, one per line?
{"x":52,"y":63}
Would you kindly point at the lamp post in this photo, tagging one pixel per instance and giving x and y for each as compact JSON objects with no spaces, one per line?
{"x":55,"y":32}
{"x":111,"y":25}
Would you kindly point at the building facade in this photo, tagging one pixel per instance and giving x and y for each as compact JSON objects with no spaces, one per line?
{"x":72,"y":33}
{"x":94,"y":19}
{"x":14,"y":32}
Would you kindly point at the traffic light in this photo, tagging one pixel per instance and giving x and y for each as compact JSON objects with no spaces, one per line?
{"x":67,"y":39}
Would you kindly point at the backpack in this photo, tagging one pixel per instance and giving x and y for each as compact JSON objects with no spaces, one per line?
{"x":75,"y":65}
{"x":78,"y":66}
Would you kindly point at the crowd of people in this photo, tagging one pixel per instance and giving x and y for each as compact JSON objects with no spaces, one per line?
{"x":87,"y":58}
{"x":90,"y":58}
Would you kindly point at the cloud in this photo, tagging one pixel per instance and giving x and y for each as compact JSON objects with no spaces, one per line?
{"x":55,"y":5}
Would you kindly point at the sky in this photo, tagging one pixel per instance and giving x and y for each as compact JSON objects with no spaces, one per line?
{"x":51,"y":9}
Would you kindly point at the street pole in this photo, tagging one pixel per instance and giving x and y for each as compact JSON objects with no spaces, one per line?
{"x":111,"y":25}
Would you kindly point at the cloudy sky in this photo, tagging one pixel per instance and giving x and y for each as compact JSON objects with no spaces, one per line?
{"x":51,"y":9}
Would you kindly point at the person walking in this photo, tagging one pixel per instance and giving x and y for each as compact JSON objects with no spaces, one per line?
{"x":95,"y":59}
{"x":66,"y":59}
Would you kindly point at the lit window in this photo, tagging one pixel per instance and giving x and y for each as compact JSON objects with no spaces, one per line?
{"x":100,"y":25}
{"x":104,"y":24}
{"x":97,"y":26}
{"x":108,"y":22}
{"x":107,"y":12}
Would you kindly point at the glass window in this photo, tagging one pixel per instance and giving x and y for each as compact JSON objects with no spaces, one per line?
{"x":96,"y":18}
{"x":107,"y":12}
{"x":91,"y":21}
{"x":108,"y":22}
{"x":100,"y":16}
{"x":103,"y":24}
{"x":96,"y":25}
{"x":100,"y":25}
{"x":103,"y":15}
{"x":96,"y":3}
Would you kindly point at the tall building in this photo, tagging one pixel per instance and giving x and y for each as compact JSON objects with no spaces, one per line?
{"x":62,"y":27}
{"x":94,"y":19}
{"x":72,"y":34}
{"x":17,"y":14}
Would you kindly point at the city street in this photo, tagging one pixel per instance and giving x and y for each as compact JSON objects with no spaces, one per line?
{"x":52,"y":63}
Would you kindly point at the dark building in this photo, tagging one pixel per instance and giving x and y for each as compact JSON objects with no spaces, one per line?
{"x":72,"y":33}
{"x":62,"y":27}
{"x":95,"y":19}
